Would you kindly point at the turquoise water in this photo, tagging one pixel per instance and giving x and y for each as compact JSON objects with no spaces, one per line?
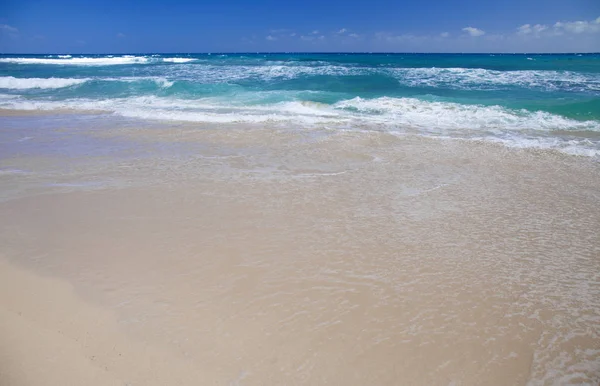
{"x":544,"y":101}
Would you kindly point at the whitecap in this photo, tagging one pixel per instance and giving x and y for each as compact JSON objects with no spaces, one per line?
{"x":478,"y":78}
{"x":9,"y":82}
{"x":178,"y":60}
{"x":80,"y":61}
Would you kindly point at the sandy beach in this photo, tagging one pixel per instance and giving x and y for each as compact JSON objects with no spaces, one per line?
{"x":188,"y":255}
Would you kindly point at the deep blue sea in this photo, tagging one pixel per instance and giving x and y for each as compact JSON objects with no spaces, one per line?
{"x":520,"y":100}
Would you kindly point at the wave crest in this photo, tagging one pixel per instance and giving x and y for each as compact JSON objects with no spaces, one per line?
{"x":9,"y":82}
{"x":94,"y":61}
{"x":79,"y":61}
{"x":178,"y":60}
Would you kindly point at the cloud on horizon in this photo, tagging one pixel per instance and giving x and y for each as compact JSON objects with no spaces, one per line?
{"x":475,"y":32}
{"x":557,"y":37}
{"x":560,"y":28}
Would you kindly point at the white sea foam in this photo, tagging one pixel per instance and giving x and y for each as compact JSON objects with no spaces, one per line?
{"x":580,"y":147}
{"x":198,"y":110}
{"x":456,"y":78}
{"x":94,"y":61}
{"x":445,"y":116}
{"x":516,"y":128}
{"x":12,"y":83}
{"x":178,"y":60}
{"x":209,"y":110}
{"x":210,"y":73}
{"x":80,"y":61}
{"x":159,"y":80}
{"x":478,"y":78}
{"x":163,"y":82}
{"x":9,"y":82}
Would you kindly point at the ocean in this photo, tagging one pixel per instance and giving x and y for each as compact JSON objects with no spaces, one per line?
{"x":520,"y":100}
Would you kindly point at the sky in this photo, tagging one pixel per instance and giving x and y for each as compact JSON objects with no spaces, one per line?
{"x":180,"y":26}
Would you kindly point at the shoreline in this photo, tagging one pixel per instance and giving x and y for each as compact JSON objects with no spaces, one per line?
{"x":175,"y":130}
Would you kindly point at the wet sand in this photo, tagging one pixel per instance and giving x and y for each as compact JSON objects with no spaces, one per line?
{"x":252,"y":256}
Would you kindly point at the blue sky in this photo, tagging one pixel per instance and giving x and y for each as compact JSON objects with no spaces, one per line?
{"x":112,"y":26}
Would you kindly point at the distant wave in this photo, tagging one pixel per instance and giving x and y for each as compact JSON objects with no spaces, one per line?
{"x":477,"y":78}
{"x":429,"y":77}
{"x":178,"y":60}
{"x":80,"y":61}
{"x":94,"y":61}
{"x":9,"y":82}
{"x":454,"y":78}
{"x":457,"y":78}
{"x":158,"y":80}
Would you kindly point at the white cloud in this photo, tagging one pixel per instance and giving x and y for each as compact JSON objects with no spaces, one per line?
{"x":562,"y":36}
{"x":280,"y":34}
{"x":560,"y":28}
{"x":578,"y":27}
{"x":528,"y":29}
{"x":474,"y":31}
{"x":120,"y":35}
{"x":525,"y":29}
{"x":8,"y":28}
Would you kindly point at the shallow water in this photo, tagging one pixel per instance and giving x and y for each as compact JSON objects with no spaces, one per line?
{"x":269,"y":255}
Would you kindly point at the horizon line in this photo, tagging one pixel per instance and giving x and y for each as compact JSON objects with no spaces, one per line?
{"x":303,"y":53}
